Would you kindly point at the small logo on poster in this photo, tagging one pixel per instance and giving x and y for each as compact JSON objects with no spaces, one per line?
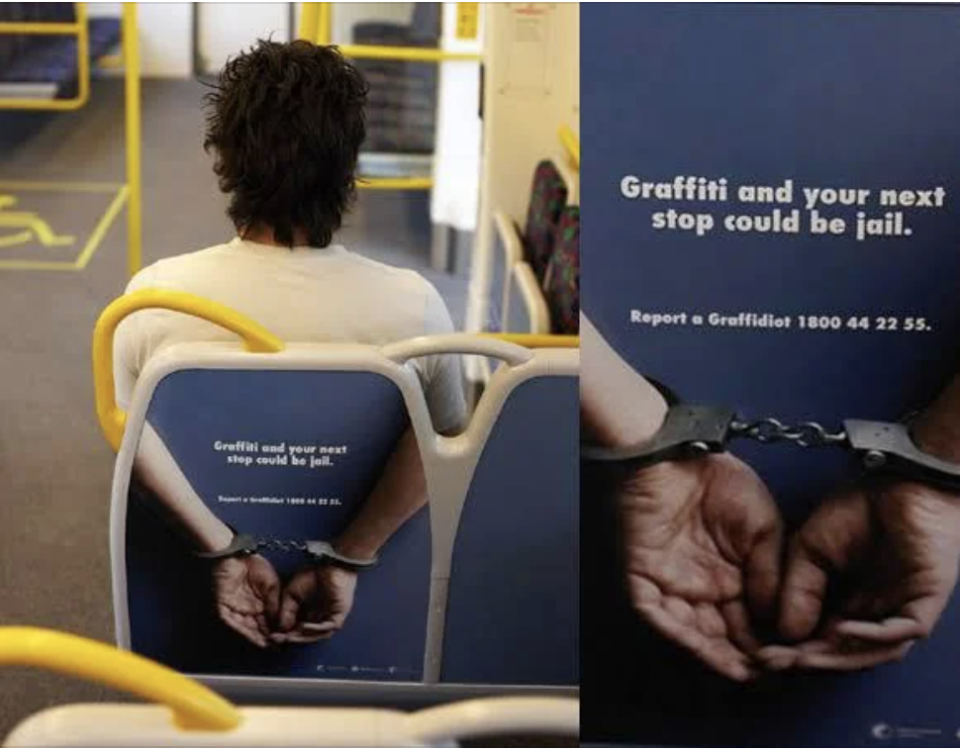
{"x":882,"y":731}
{"x":889,"y":732}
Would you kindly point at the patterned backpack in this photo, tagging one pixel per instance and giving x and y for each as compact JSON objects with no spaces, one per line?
{"x":563,"y":275}
{"x":547,"y":200}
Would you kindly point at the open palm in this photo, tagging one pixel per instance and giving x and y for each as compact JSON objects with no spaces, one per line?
{"x":247,"y":592}
{"x":869,"y":573}
{"x":702,"y":542}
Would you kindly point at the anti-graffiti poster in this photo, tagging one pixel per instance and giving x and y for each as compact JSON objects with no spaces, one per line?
{"x":772,"y":228}
{"x":216,"y":464}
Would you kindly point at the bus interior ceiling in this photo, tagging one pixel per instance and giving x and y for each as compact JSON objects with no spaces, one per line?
{"x":55,"y":469}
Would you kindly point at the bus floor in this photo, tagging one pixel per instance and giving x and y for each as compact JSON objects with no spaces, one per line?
{"x":55,"y":468}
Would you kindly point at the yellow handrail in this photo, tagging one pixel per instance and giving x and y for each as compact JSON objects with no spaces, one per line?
{"x":537,"y":340}
{"x":324,"y":33}
{"x":131,"y":95}
{"x":309,"y":13}
{"x":79,"y":29}
{"x":395,"y":183}
{"x":194,"y":706}
{"x":112,"y":418}
{"x":571,"y":145}
{"x":410,"y":54}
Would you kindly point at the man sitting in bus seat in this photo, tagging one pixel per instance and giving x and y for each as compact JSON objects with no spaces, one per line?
{"x":286,"y":123}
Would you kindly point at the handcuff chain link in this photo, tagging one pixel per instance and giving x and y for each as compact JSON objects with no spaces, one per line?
{"x":281,"y":545}
{"x":771,"y":430}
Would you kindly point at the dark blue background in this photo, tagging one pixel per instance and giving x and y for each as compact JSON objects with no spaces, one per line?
{"x":830,"y":96}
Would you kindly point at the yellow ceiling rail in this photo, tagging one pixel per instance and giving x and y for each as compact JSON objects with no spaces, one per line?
{"x":571,"y":145}
{"x":112,"y":418}
{"x":537,"y":340}
{"x":395,"y":183}
{"x":194,"y":706}
{"x":81,"y":31}
{"x":409,"y":54}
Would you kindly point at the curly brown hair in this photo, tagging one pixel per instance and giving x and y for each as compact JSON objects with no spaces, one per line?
{"x":286,"y":122}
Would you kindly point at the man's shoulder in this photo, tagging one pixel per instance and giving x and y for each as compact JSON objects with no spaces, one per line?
{"x":405,"y":278}
{"x":169,"y":270}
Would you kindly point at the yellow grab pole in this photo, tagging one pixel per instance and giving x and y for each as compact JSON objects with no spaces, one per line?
{"x":324,"y":24}
{"x":309,"y":14}
{"x":131,"y":74}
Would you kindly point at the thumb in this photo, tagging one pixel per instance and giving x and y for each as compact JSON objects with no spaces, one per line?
{"x":289,"y":608}
{"x":804,"y":588}
{"x":272,"y":600}
{"x":290,"y":605}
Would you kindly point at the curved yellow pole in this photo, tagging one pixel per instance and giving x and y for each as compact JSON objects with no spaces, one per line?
{"x":194,"y":706}
{"x":537,"y":340}
{"x":112,"y":418}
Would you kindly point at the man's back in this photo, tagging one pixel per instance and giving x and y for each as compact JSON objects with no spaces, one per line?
{"x":304,"y":295}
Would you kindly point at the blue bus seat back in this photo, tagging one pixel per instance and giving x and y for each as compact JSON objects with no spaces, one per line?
{"x":513,"y":609}
{"x":281,"y":454}
{"x":197,"y":394}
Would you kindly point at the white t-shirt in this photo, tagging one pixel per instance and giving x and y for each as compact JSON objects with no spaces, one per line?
{"x":306,"y":295}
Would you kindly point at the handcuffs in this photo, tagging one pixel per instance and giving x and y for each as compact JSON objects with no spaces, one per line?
{"x":319,"y":552}
{"x":691,"y":431}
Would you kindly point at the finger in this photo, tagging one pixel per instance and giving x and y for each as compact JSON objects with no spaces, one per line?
{"x":289,"y":608}
{"x":926,"y":611}
{"x":892,"y":630}
{"x":842,"y":662}
{"x":263,"y":626}
{"x":299,"y":637}
{"x":271,"y":601}
{"x":763,"y":573}
{"x":319,"y":627}
{"x":680,"y":610}
{"x":778,"y":658}
{"x":739,"y":630}
{"x":719,"y":654}
{"x":804,"y":588}
{"x":240,"y":624}
{"x":708,"y":621}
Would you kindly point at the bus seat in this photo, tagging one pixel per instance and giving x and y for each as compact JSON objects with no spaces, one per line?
{"x":525,"y":308}
{"x":208,"y":417}
{"x":548,"y":196}
{"x":210,"y":402}
{"x":513,"y":610}
{"x":562,"y":282}
{"x":510,"y":252}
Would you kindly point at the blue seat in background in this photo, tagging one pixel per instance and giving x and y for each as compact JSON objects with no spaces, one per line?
{"x":513,"y":612}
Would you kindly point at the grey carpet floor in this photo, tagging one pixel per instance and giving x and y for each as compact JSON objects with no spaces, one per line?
{"x":55,"y":469}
